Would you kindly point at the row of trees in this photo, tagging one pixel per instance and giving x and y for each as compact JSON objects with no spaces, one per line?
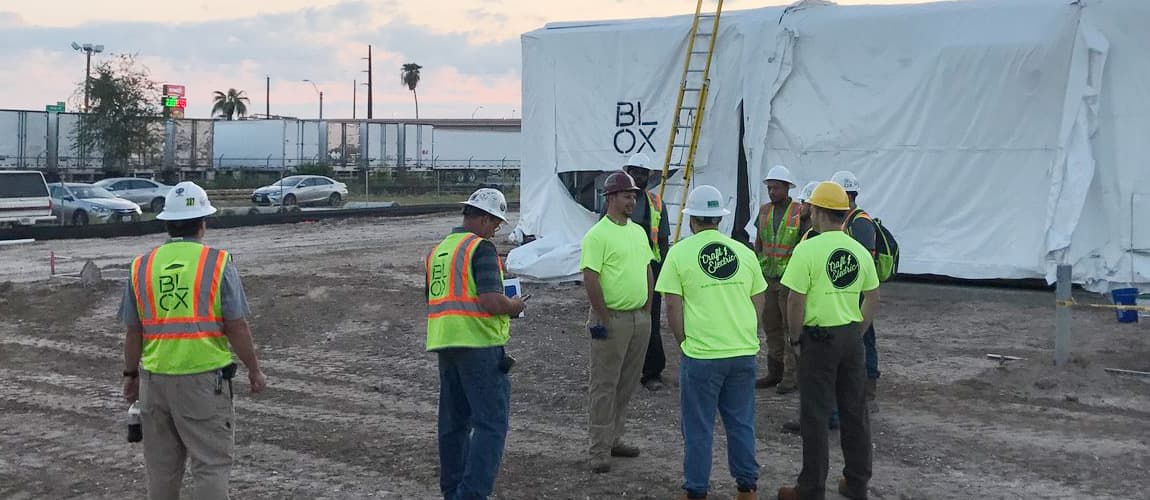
{"x":124,"y":118}
{"x":234,"y":103}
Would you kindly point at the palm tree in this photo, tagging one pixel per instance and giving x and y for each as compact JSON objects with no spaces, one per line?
{"x":233,"y":103}
{"x":409,"y":76}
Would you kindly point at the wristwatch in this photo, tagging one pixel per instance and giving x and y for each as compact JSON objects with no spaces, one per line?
{"x":132,"y":374}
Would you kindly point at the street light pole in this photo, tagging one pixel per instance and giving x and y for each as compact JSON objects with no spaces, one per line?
{"x":318,"y":91}
{"x":88,"y":49}
{"x":477,"y":108}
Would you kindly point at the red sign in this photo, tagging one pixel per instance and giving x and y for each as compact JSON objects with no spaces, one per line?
{"x":174,"y":90}
{"x":182,"y":103}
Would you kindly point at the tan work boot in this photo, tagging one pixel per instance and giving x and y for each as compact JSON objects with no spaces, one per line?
{"x":774,"y":375}
{"x":788,"y":493}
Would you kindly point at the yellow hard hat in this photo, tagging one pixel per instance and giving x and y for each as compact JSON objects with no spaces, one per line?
{"x":830,"y":196}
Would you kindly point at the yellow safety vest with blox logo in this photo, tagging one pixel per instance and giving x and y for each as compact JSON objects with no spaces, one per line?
{"x":778,"y":244}
{"x":177,"y":288}
{"x":656,"y":205}
{"x":454,"y":316}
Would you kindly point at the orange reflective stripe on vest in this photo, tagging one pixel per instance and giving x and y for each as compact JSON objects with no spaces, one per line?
{"x":457,"y":302}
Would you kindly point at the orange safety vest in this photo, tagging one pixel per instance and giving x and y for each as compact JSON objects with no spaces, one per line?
{"x":454,"y":316}
{"x":777,"y":243}
{"x":177,"y":290}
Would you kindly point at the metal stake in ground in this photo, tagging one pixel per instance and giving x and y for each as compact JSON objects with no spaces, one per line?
{"x":1062,"y":316}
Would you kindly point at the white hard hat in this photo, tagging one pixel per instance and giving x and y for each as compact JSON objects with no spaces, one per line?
{"x":186,"y":201}
{"x":640,"y":160}
{"x":807,"y":190}
{"x":847,"y":180}
{"x":705,"y":201}
{"x":490,"y":201}
{"x":779,"y":173}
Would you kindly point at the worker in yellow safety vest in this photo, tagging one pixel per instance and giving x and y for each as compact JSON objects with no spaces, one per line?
{"x":468,"y":323}
{"x":183,"y":306}
{"x":777,"y":234}
{"x":652,"y":217}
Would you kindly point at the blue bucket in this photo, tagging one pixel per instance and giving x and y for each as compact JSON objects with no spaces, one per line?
{"x":1125,"y":297}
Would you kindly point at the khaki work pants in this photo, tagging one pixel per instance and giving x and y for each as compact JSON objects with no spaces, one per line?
{"x":185,"y":420}
{"x":779,"y":348}
{"x":616,"y":365}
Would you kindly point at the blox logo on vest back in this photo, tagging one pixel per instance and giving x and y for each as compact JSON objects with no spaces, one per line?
{"x":172,"y":295}
{"x":438,"y":285}
{"x":718,"y":261}
{"x":842,"y":268}
{"x":634,"y":134}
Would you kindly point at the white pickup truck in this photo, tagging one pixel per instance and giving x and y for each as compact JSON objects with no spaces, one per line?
{"x":24,"y":199}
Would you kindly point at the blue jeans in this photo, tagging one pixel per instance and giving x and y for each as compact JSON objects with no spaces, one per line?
{"x":726,"y":385}
{"x":871,"y":353}
{"x":474,"y":403}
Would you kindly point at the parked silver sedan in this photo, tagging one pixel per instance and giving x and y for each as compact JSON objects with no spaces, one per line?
{"x":302,"y":190}
{"x":144,"y":192}
{"x":83,"y":204}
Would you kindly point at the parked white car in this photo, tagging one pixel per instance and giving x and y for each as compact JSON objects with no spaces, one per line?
{"x":24,"y":198}
{"x":83,"y":204}
{"x":302,"y":190}
{"x":144,"y":192}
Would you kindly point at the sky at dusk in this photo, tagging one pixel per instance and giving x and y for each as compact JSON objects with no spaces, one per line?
{"x":470,"y":49}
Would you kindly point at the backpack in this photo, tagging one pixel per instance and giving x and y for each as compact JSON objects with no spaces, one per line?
{"x":886,"y":247}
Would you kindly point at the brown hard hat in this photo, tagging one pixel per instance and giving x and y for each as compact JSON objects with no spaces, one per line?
{"x":618,"y":182}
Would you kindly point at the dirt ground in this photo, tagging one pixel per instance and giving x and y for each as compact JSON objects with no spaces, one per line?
{"x":350,"y":412}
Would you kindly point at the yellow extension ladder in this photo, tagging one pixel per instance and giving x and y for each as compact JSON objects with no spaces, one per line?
{"x":690,"y":106}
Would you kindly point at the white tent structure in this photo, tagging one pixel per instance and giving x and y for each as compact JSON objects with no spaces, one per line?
{"x":996,"y":138}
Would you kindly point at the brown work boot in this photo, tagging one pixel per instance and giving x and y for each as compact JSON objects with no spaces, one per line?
{"x":792,"y":427}
{"x":624,"y":451}
{"x":601,"y":465}
{"x":845,"y":491}
{"x":774,"y":375}
{"x":747,"y":495}
{"x":788,"y":493}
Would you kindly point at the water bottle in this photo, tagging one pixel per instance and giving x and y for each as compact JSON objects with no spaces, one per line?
{"x":135,"y":431}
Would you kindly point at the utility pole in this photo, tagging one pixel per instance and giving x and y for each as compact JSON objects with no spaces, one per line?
{"x":354,"y":93}
{"x":268,"y":101}
{"x":370,"y":90}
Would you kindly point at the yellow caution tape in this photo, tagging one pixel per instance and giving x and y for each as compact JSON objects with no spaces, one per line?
{"x":1072,"y":303}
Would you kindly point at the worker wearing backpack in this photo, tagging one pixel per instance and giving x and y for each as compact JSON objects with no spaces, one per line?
{"x":880,"y":242}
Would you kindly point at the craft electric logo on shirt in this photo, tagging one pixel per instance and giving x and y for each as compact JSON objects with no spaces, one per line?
{"x":633,"y":135}
{"x":842,"y":268}
{"x":718,"y":261}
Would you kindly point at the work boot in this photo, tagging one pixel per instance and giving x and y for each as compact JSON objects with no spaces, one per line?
{"x":786,"y":388}
{"x":788,"y":493}
{"x":653,"y":385}
{"x":774,"y":375}
{"x":624,"y":451}
{"x":845,"y":491}
{"x":871,"y":389}
{"x":746,"y":495}
{"x":600,"y":465}
{"x":792,"y":427}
